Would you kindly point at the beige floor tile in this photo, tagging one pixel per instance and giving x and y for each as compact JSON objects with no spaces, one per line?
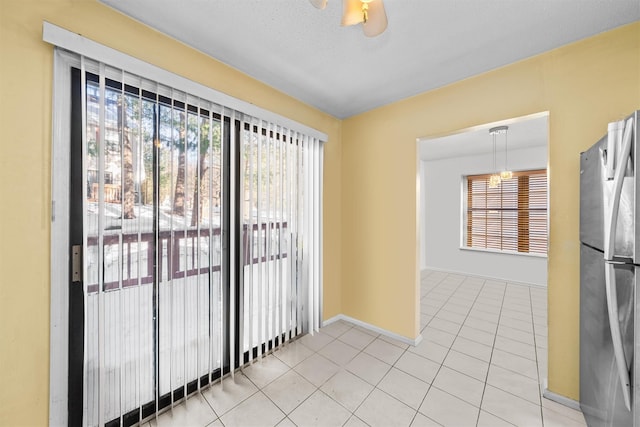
{"x":437,"y":336}
{"x":404,"y":387}
{"x":319,"y":410}
{"x":368,"y":368}
{"x":223,"y":397}
{"x":448,"y":410}
{"x":478,"y":314}
{"x":195,"y":411}
{"x":394,"y":341}
{"x":467,"y":365}
{"x":384,"y":351}
{"x":458,"y":309}
{"x":293,"y":353}
{"x":459,"y":385}
{"x":515,"y":363}
{"x":288,"y":391}
{"x":563,"y":410}
{"x":265,"y":370}
{"x":515,"y":347}
{"x":541,"y":341}
{"x":316,"y":341}
{"x":430,"y":350}
{"x":317,"y":369}
{"x":355,"y":422}
{"x":488,"y":420}
{"x":554,"y":419}
{"x":515,"y":334}
{"x":381,"y":410}
{"x":418,"y":366}
{"x":483,"y":325}
{"x":337,"y":328}
{"x":257,"y":410}
{"x":286,"y":423}
{"x":451,"y":316}
{"x":472,"y":348}
{"x":423,"y":421}
{"x":515,"y":315}
{"x":445,"y":325}
{"x":513,"y":409}
{"x":366,"y":331}
{"x":347,"y":389}
{"x":356,"y":338}
{"x":514,"y":383}
{"x":473,"y":334}
{"x":338,"y":352}
{"x":524,"y":326}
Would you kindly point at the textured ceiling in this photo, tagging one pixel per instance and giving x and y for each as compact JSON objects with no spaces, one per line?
{"x":304,"y":52}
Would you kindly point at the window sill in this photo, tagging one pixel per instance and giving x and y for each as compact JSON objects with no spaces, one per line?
{"x":497,"y":251}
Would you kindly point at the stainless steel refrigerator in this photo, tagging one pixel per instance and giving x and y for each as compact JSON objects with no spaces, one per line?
{"x":609,"y":278}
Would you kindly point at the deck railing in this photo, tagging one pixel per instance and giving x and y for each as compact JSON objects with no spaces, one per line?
{"x":178,"y":253}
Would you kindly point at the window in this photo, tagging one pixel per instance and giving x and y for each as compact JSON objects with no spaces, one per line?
{"x":510,"y":217}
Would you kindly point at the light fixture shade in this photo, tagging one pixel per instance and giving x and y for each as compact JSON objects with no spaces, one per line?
{"x":506,"y":175}
{"x":352,"y":12}
{"x":494,"y":181}
{"x":320,"y":4}
{"x":377,"y":22}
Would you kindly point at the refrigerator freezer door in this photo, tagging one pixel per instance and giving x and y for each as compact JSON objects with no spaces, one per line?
{"x":601,"y":396}
{"x":592,"y":177}
{"x":596,"y":199}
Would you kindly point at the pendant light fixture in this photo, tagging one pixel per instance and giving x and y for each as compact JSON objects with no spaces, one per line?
{"x":495,"y":179}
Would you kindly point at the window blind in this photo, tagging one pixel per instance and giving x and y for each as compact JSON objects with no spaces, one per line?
{"x":510,"y":217}
{"x":167,"y":303}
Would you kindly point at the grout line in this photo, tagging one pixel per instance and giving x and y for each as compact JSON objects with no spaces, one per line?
{"x":537,"y":361}
{"x":486,"y":379}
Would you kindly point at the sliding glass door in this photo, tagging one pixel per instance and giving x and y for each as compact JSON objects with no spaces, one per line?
{"x":195,"y":243}
{"x":151,"y":213}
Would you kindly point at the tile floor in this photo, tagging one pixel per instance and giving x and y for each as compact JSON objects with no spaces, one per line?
{"x":481,"y":363}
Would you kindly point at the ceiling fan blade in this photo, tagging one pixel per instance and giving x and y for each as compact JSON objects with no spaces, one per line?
{"x":351,"y":12}
{"x":377,"y":22}
{"x":319,"y":4}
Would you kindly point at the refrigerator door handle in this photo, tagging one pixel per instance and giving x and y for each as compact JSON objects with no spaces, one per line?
{"x":612,"y":219}
{"x":616,"y":335}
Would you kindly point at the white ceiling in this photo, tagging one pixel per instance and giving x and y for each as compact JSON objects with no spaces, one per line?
{"x":523,"y":132}
{"x":304,"y":52}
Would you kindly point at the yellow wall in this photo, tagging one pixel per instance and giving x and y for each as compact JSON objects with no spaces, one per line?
{"x":25,"y":196}
{"x":583,"y":86}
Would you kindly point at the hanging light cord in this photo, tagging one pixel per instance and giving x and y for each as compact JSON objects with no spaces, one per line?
{"x":506,"y":164}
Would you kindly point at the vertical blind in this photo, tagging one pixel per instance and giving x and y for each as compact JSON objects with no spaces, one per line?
{"x":281,"y":215}
{"x":168,"y":179}
{"x":509,"y":217}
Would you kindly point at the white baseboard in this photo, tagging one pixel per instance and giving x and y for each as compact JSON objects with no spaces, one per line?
{"x":570,"y":403}
{"x":411,"y":341}
{"x":498,"y":279}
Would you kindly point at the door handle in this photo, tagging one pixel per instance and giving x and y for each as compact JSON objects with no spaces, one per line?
{"x":616,"y":335}
{"x":612,"y":219}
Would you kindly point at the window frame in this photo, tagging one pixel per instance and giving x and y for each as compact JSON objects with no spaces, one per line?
{"x":464,"y":223}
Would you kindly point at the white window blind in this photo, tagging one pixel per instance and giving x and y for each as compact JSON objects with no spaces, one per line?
{"x":169,"y":176}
